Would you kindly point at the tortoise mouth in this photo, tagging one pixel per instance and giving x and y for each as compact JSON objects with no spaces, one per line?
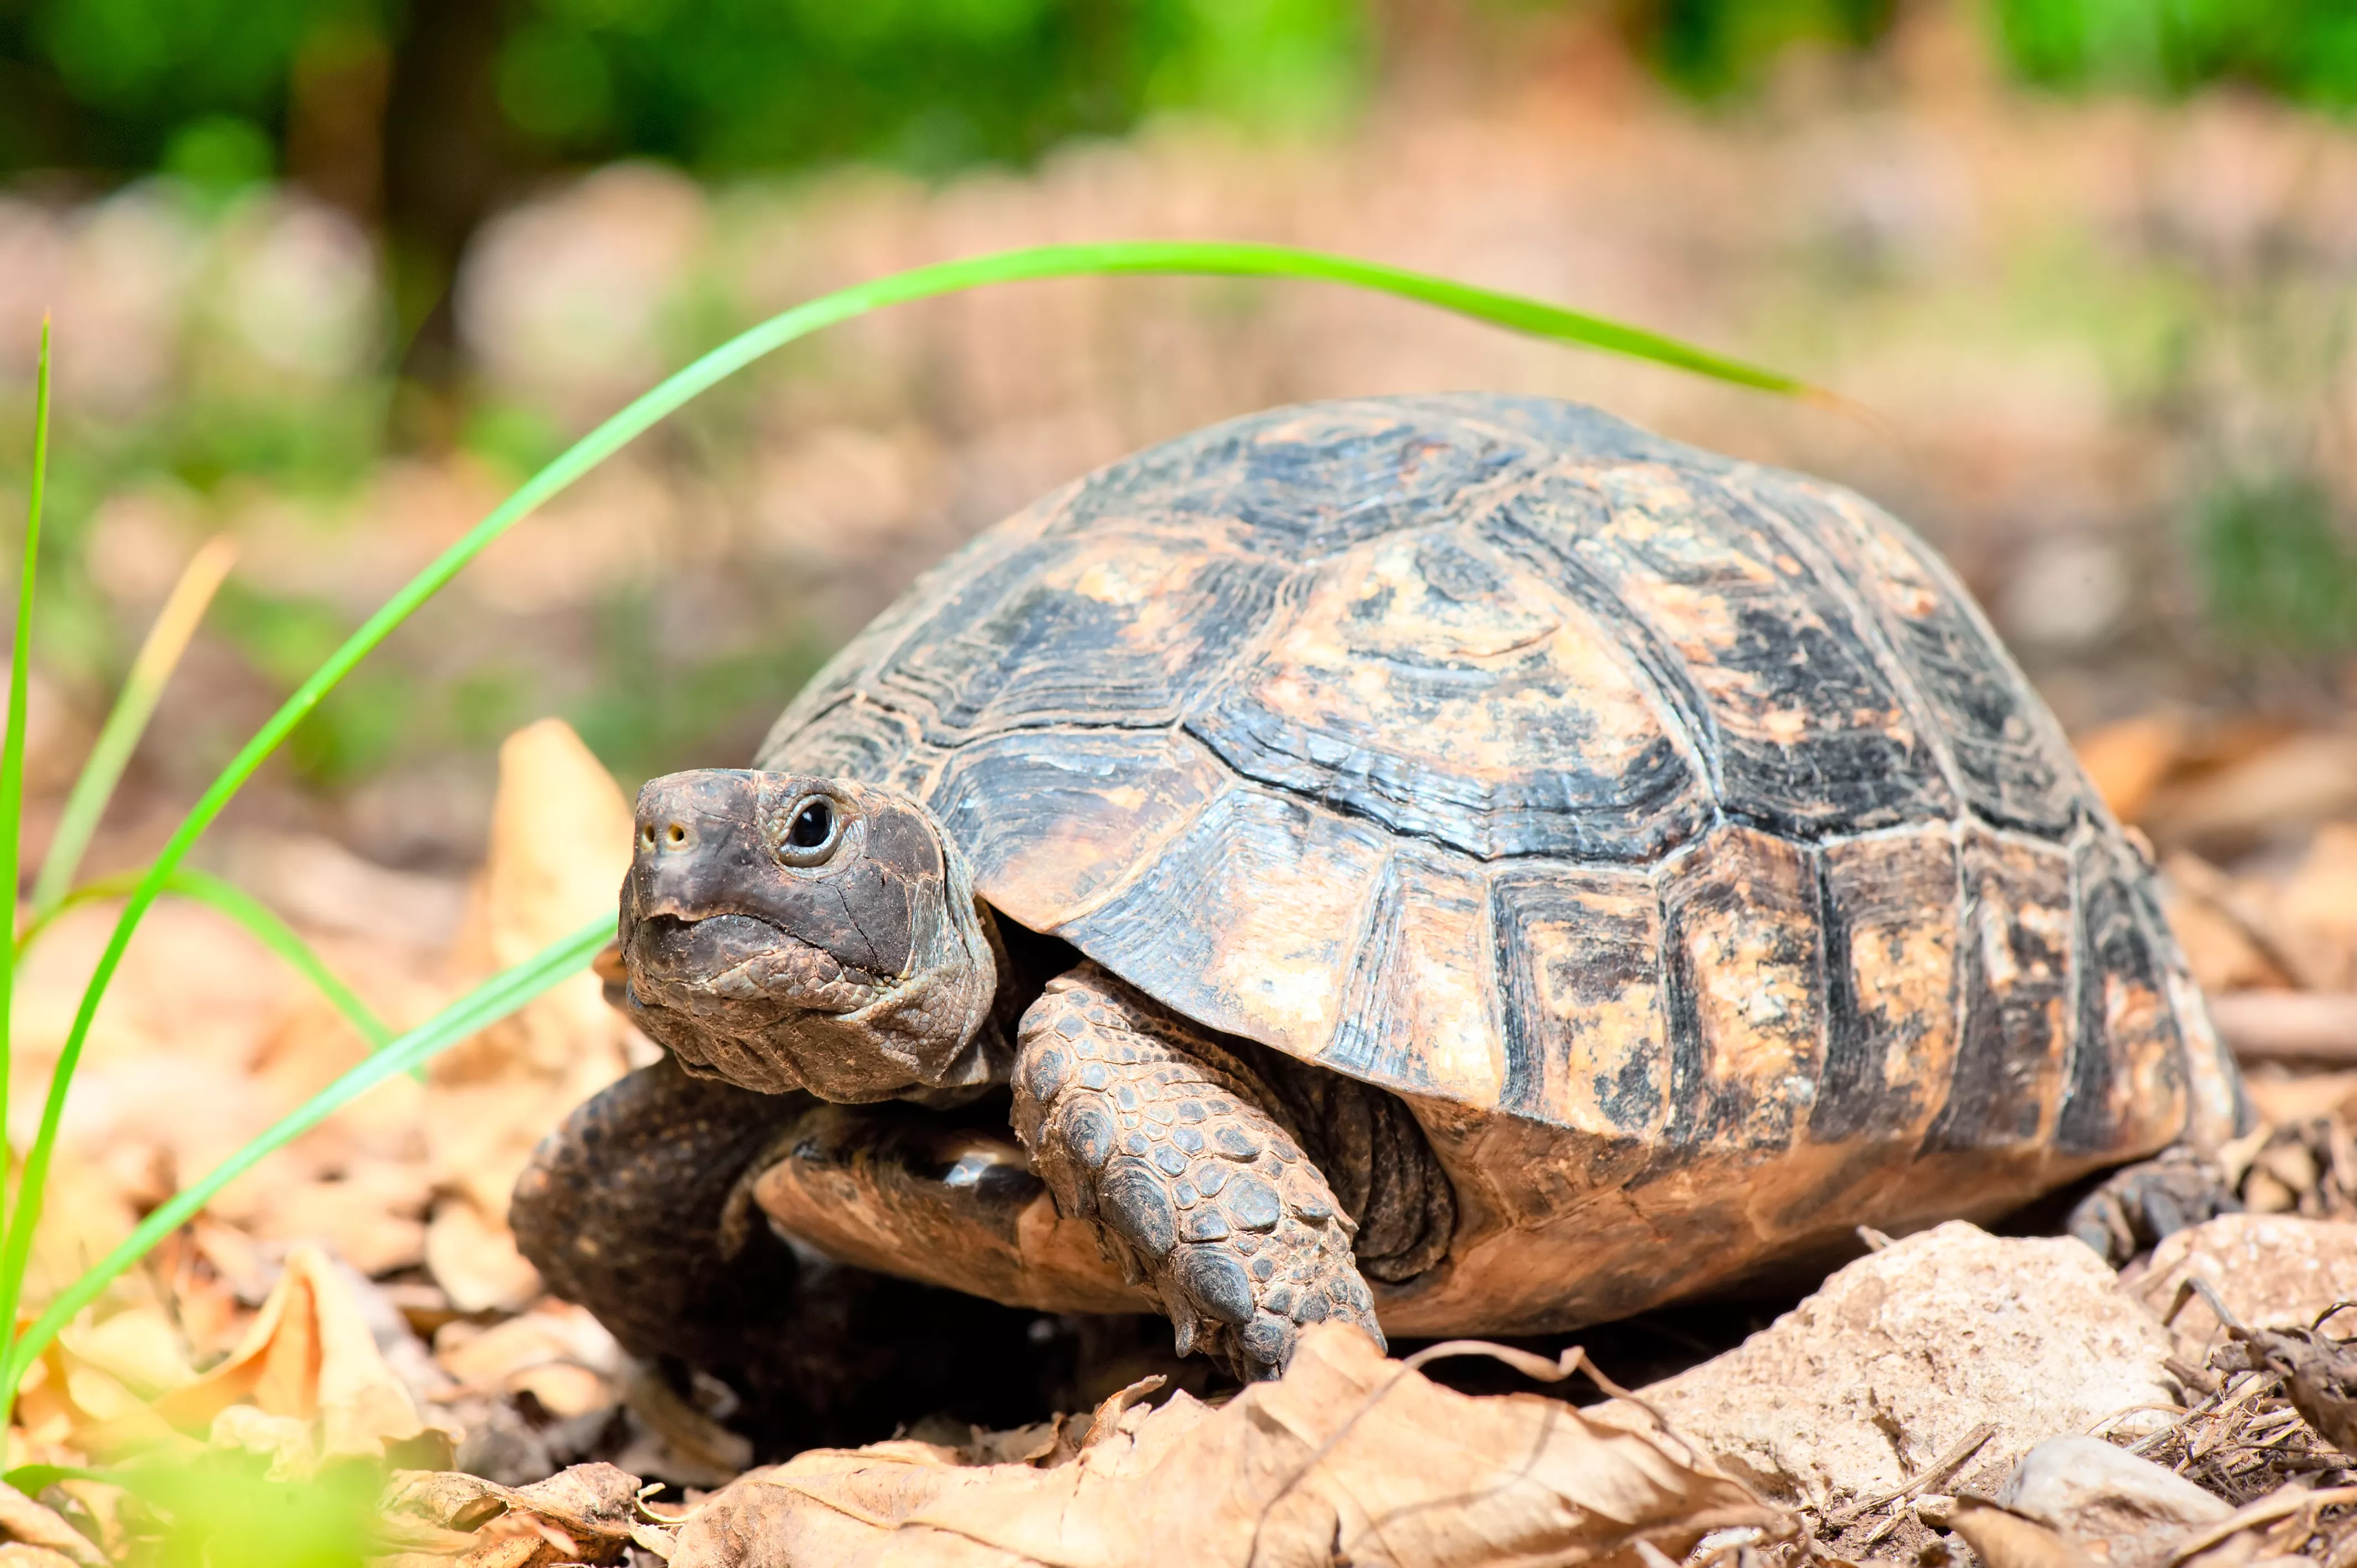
{"x":669,"y":949}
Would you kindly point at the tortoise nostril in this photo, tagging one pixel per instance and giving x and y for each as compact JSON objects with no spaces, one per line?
{"x":676,"y":834}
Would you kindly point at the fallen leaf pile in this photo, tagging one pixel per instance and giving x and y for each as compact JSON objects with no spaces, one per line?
{"x":1350,"y":1457}
{"x":358,"y":1301}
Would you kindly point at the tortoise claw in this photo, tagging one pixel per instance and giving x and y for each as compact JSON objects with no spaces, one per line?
{"x":2130,"y":1210}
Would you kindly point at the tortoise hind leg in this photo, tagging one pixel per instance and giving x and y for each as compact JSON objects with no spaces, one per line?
{"x":2129,"y":1210}
{"x":637,"y":1208}
{"x":1198,"y":1184}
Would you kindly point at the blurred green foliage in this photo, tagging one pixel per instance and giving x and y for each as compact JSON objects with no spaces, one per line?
{"x":1712,"y":46}
{"x":2281,"y":574}
{"x":219,"y":1510}
{"x":2302,"y":49}
{"x":208,"y":85}
{"x":208,"y":88}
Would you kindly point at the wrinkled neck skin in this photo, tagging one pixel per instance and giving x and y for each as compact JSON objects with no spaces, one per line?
{"x":861,"y":971}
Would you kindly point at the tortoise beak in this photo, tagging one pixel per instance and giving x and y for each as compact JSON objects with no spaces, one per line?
{"x":698,"y":845}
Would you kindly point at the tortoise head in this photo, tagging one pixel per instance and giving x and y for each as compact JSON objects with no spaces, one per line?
{"x":783,"y":932}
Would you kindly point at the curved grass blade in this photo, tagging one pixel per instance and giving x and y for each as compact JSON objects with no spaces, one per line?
{"x":484,"y":1005}
{"x":1210,"y":258}
{"x":12,"y":741}
{"x":160,"y":655}
{"x":228,"y":899}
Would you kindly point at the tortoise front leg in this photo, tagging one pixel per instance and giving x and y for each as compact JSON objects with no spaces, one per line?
{"x":640,"y":1208}
{"x":1140,"y":1122}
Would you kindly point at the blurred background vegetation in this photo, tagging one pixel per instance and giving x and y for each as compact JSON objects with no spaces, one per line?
{"x":331,"y":272}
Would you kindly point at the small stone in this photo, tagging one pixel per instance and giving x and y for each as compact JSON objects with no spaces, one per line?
{"x":2131,"y":1511}
{"x":1903,"y":1352}
{"x":2271,"y":1270}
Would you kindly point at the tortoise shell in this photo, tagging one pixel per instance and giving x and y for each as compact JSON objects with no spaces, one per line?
{"x":1671,"y":833}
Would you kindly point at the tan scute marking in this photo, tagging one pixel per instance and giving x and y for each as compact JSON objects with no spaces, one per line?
{"x":2023,"y":928}
{"x":1049,"y":870}
{"x":1896,"y":899}
{"x":1460,"y":675}
{"x":1425,"y":1016}
{"x":1247,"y":921}
{"x":1747,"y":934}
{"x":1578,"y":954}
{"x":2148,"y":1090}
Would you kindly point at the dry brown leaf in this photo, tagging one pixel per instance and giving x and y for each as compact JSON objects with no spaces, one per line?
{"x":17,"y":1554}
{"x":307,"y":1384}
{"x":586,"y":1514}
{"x":1348,"y":1457}
{"x":42,"y":1530}
{"x":372,"y":1216}
{"x":2316,"y":912}
{"x":2268,"y":1530}
{"x":557,"y":1352}
{"x":560,"y":846}
{"x":475,"y":1260}
{"x":2005,"y":1540}
{"x":2301,"y":780}
{"x":2128,"y":760}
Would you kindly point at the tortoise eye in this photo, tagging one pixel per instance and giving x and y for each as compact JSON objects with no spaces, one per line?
{"x":813,"y":829}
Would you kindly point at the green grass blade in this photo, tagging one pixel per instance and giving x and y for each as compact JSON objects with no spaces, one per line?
{"x":228,"y":899}
{"x":1211,"y":258}
{"x":12,"y":741}
{"x":484,"y":1005}
{"x":160,"y":655}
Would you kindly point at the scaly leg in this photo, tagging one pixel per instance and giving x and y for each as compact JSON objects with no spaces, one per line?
{"x":640,"y":1209}
{"x":1139,"y":1121}
{"x":2130,"y":1210}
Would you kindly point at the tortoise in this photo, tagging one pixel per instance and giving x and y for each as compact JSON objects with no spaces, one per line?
{"x":1447,"y":864}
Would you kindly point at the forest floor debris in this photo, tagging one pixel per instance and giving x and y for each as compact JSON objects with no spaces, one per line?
{"x":359,"y":1298}
{"x":1908,"y":1350}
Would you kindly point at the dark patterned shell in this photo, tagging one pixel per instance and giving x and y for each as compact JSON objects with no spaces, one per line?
{"x":1672,"y":832}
